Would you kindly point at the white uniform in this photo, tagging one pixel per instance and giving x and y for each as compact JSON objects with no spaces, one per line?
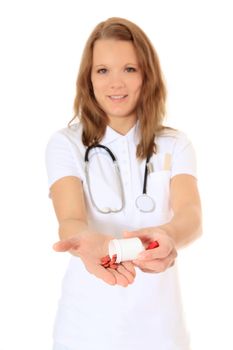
{"x":147,"y":314}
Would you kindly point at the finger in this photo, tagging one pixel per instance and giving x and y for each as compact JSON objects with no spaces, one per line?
{"x":106,"y":275}
{"x":159,"y":252}
{"x":127,"y":274}
{"x":150,"y":271}
{"x":102,"y":273}
{"x":120,"y":279}
{"x":62,"y":246}
{"x":147,"y":270}
{"x":172,"y":263}
{"x":65,"y":245}
{"x":157,"y":265}
{"x":130,"y":267}
{"x":129,"y":234}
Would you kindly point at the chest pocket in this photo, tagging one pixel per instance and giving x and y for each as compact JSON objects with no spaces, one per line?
{"x":158,"y":187}
{"x":159,"y":181}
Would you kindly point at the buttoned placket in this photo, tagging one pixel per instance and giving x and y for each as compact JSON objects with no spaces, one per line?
{"x":123,"y":146}
{"x":125,"y":169}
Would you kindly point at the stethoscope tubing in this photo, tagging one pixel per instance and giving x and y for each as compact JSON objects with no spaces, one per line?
{"x":116,"y":165}
{"x":86,"y":157}
{"x":139,"y":199}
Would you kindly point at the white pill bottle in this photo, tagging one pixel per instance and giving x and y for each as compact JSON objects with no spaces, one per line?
{"x":126,"y":248}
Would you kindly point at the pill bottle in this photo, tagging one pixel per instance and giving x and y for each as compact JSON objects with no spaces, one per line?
{"x":125,"y":248}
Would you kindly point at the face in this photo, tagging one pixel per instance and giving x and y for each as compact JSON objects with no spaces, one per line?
{"x":116,"y":78}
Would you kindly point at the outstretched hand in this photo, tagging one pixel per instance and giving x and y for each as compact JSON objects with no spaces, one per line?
{"x":91,"y":247}
{"x":158,"y":259}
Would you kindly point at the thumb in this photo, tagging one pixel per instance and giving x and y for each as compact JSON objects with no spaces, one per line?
{"x":143,"y":234}
{"x":65,"y":245}
{"x":129,"y":234}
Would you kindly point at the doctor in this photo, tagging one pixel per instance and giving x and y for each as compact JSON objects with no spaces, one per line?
{"x":118,"y":172}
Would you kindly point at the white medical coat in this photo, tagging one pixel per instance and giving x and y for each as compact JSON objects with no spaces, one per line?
{"x":147,"y":314}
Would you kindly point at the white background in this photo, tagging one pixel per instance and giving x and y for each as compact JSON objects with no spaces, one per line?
{"x":41,"y":44}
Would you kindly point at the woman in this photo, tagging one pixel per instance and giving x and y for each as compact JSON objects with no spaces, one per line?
{"x":120,"y":103}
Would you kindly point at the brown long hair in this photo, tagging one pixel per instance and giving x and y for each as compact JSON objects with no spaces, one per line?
{"x":151,"y":105}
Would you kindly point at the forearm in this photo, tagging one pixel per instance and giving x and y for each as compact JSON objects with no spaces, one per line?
{"x":185,"y":226}
{"x":71,"y":227}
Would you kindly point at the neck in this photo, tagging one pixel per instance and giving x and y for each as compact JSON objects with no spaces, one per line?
{"x":122,"y":125}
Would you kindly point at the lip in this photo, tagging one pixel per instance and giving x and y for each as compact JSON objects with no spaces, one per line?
{"x":117,"y":98}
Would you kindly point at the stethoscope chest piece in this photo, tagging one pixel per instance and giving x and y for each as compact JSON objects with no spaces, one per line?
{"x":145,"y":203}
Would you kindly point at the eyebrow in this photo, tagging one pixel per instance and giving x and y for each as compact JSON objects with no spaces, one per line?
{"x":126,"y":64}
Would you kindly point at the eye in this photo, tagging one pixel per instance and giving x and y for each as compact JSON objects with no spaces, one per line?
{"x":130,"y":69}
{"x":102,"y":71}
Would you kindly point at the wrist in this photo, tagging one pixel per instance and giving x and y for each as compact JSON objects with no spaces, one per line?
{"x":169,"y":230}
{"x":72,"y":227}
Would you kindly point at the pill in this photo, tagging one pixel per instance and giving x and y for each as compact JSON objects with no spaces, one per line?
{"x":105,"y":259}
{"x":153,"y":245}
{"x":107,"y":262}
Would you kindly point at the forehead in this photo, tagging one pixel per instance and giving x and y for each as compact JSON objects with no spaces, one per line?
{"x":110,"y":51}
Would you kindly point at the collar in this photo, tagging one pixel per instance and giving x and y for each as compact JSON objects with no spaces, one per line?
{"x":111,"y":135}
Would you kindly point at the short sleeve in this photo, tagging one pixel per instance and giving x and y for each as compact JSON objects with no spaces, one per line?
{"x":59,"y":158}
{"x":184,"y":157}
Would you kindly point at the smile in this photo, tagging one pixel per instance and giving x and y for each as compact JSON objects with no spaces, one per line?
{"x":117,"y":97}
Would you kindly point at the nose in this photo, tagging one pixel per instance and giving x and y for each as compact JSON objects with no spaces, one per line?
{"x":116,"y":82}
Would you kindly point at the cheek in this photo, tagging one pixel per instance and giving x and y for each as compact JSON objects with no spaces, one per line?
{"x":137,"y":86}
{"x":138,"y":90}
{"x":98,"y":85}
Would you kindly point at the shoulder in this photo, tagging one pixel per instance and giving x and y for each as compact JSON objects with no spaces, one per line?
{"x":71,"y":135}
{"x":178,"y":146}
{"x":65,"y":142}
{"x":64,"y":154}
{"x":171,"y":140}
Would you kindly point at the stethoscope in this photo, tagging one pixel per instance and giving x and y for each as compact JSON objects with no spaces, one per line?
{"x":143,"y":202}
